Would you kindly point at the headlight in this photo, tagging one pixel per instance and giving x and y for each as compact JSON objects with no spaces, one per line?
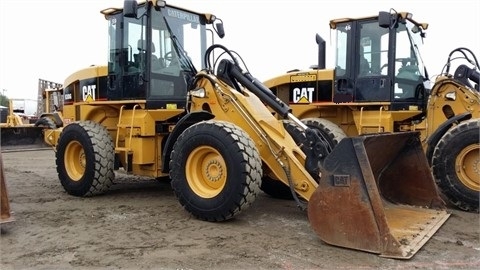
{"x":451,"y":96}
{"x":199,"y":93}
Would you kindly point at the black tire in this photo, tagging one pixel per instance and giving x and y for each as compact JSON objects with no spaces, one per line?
{"x":85,"y":159}
{"x":45,"y":122}
{"x":331,"y":131}
{"x":456,"y":165}
{"x":216,"y":170}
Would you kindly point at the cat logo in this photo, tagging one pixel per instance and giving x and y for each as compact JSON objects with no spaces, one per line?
{"x":303,"y":95}
{"x":88,"y":92}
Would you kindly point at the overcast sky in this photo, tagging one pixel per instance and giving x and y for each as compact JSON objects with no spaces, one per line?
{"x":53,"y":38}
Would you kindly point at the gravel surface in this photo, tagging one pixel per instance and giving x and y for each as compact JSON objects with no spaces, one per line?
{"x":139,"y":224}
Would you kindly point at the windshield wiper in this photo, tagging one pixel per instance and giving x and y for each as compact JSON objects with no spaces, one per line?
{"x":185,"y":61}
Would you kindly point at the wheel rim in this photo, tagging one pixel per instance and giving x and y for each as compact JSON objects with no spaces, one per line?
{"x":206,"y":172}
{"x":467,"y":165}
{"x":75,"y":160}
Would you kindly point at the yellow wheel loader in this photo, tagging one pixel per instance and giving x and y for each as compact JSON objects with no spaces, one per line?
{"x":380,"y":84}
{"x":19,"y":133}
{"x":151,"y":112}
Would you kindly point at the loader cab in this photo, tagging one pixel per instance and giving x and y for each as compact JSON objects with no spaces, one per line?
{"x":154,"y":52}
{"x":378,"y":60}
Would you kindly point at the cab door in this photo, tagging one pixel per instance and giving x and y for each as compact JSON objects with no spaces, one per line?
{"x":362,"y":72}
{"x":372,"y":81}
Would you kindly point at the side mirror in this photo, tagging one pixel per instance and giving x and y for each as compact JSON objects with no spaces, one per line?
{"x":130,"y":8}
{"x":220,"y":30}
{"x":384,"y":19}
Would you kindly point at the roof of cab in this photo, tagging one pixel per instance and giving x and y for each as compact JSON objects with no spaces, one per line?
{"x":404,"y":15}
{"x":114,"y":10}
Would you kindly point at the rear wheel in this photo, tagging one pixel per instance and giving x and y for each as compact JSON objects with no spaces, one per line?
{"x":85,"y":159}
{"x":456,"y":165}
{"x":216,"y":170}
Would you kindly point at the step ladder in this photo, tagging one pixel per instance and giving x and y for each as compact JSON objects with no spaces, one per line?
{"x":363,"y":127}
{"x":125,"y":150}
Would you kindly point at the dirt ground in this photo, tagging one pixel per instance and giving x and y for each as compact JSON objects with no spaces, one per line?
{"x":140,"y":225}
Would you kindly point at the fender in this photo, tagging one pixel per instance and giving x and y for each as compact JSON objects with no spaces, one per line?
{"x":441,"y":130}
{"x":186,"y":121}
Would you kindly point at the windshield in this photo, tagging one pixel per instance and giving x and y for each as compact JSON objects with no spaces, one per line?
{"x":189,"y":36}
{"x":409,"y":41}
{"x":409,"y":67}
{"x":417,"y":42}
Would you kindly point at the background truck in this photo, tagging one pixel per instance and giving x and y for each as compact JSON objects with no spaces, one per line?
{"x":166,"y":105}
{"x":380,"y":84}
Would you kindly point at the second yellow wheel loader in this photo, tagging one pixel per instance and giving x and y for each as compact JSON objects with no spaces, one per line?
{"x":150,"y":112}
{"x":380,"y":84}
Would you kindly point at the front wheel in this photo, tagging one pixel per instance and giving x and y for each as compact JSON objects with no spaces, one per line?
{"x":216,"y":170}
{"x":85,"y":159}
{"x":456,"y":165}
{"x":45,"y":122}
{"x":331,"y":131}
